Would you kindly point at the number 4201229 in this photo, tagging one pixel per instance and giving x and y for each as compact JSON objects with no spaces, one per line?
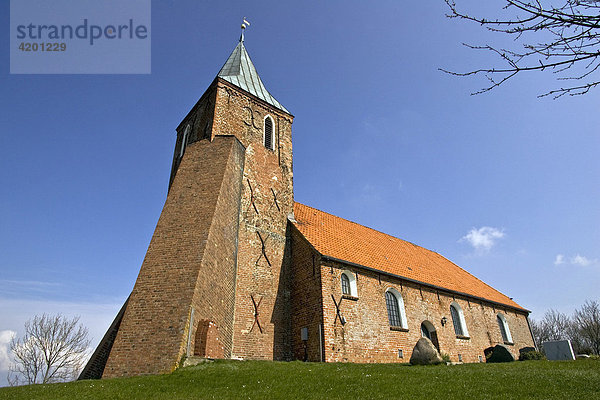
{"x":25,"y":46}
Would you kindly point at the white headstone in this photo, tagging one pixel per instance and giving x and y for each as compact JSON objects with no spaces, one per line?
{"x":559,"y":350}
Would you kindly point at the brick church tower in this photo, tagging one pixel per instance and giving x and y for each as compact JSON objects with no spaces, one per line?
{"x":214,"y":280}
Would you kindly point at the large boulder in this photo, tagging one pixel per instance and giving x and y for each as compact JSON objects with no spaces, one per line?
{"x":500,"y":353}
{"x":425,"y":353}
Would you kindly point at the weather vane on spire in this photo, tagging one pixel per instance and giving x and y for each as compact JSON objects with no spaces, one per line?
{"x":245,"y":24}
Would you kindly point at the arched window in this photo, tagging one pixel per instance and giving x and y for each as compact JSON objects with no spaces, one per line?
{"x":504,"y":330}
{"x":349,"y":284}
{"x":458,"y":319}
{"x":345,"y":284}
{"x":184,"y":141}
{"x":395,"y":309}
{"x":268,"y":134}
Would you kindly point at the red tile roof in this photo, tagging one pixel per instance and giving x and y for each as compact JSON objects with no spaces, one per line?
{"x":345,"y":240}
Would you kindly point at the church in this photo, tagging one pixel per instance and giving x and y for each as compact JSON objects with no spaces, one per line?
{"x":237,"y":269}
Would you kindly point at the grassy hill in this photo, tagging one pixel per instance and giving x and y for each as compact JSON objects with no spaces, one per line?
{"x":296,"y":380}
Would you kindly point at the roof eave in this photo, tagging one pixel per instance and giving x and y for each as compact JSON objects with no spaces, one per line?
{"x":350,"y":263}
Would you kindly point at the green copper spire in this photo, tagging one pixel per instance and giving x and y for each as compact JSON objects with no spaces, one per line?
{"x":240,"y":71}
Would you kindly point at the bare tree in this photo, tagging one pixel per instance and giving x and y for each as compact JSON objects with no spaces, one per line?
{"x":560,"y":36}
{"x":553,"y":326}
{"x":52,"y":349}
{"x":586,"y":321}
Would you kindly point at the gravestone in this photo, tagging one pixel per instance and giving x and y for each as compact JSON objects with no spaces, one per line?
{"x":558,"y":350}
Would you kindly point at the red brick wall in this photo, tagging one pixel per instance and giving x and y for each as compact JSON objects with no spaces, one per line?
{"x":306,"y":301}
{"x":367,"y":337}
{"x":190,"y":261}
{"x":199,"y":119}
{"x":266,"y":202}
{"x":207,"y":343}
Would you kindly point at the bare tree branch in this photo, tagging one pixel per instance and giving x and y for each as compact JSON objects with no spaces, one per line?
{"x":587,"y":322}
{"x":567,"y":42}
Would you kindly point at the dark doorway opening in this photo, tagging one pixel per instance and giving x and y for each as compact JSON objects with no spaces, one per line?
{"x":428,"y":331}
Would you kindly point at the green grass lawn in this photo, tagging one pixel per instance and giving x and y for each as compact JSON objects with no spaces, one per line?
{"x":296,"y":380}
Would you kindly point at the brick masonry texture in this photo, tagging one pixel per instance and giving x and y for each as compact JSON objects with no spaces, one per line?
{"x":367,"y":337}
{"x":95,"y":367}
{"x":262,"y":315}
{"x":190,"y":262}
{"x":307,"y":300}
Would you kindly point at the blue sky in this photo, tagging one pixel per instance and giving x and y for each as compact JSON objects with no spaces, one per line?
{"x":504,"y":184}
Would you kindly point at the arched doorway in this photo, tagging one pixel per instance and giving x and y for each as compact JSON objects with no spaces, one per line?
{"x":428,"y":331}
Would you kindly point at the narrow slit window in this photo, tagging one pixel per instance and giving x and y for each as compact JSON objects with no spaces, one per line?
{"x":184,"y":141}
{"x":269,"y":133}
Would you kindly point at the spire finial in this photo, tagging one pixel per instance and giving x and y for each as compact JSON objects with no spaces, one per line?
{"x":245,"y":24}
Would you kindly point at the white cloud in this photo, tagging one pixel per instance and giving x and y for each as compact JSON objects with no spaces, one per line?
{"x":5,"y":338}
{"x":581,"y":260}
{"x":560,"y":259}
{"x":484,"y":238}
{"x":577,"y":259}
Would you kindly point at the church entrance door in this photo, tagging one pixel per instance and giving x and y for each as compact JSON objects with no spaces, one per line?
{"x":428,"y":331}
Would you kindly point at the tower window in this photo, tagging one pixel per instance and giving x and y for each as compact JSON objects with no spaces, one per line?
{"x":268,"y":132}
{"x":184,"y":141}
